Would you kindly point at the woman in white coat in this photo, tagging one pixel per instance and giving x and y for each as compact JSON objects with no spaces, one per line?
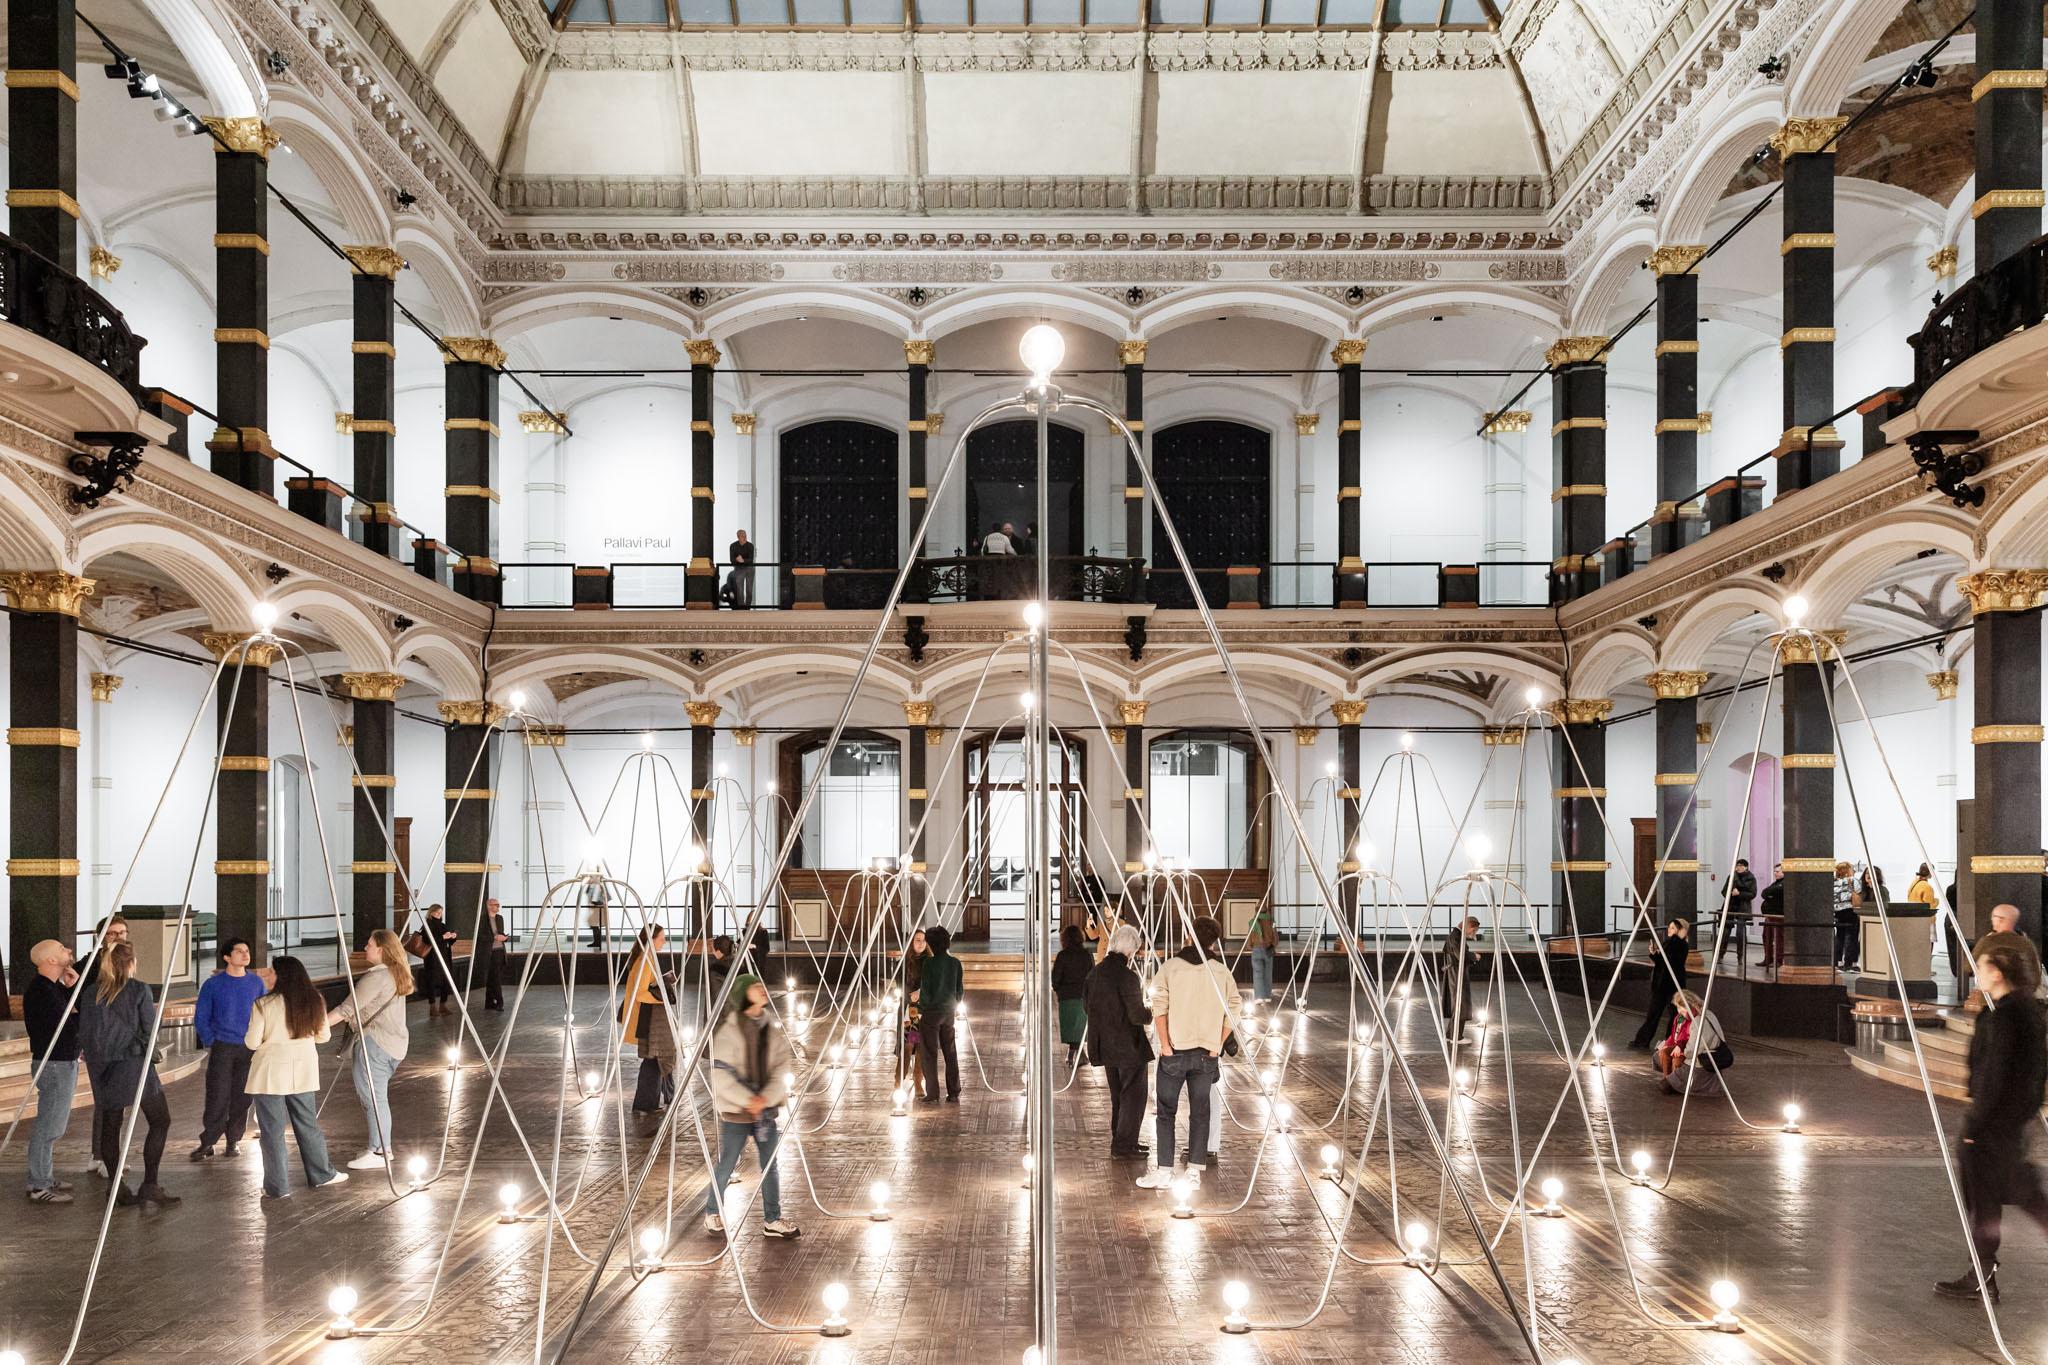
{"x":286,"y":1028}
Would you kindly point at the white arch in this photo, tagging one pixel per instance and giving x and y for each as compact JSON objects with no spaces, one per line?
{"x":1702,"y":621}
{"x":224,"y":591}
{"x":1078,"y":307}
{"x":206,"y":38}
{"x":355,"y":633}
{"x":1424,"y":300}
{"x":958,"y":674}
{"x":1608,"y":274}
{"x":1823,"y":71}
{"x":1311,"y":312}
{"x":765,"y":663}
{"x":760,"y":306}
{"x":533,"y":309}
{"x":1306,"y":669}
{"x":335,"y":162}
{"x":450,"y":662}
{"x":1698,"y":183}
{"x":1622,"y":655}
{"x":443,"y":274}
{"x":1843,"y":572}
{"x":2015,"y":528}
{"x":535,"y":667}
{"x":31,"y":534}
{"x":1518,"y":668}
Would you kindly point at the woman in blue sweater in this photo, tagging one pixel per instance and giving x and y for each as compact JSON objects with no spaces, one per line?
{"x":220,"y":1019}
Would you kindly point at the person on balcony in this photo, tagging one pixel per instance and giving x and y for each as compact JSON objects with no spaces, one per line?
{"x":996,"y":542}
{"x":740,"y":581}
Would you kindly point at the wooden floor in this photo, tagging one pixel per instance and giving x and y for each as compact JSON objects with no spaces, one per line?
{"x":1834,"y":1235}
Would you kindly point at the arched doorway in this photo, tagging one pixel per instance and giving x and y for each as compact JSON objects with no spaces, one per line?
{"x":1214,"y":478}
{"x":839,"y":508}
{"x":1002,"y":484}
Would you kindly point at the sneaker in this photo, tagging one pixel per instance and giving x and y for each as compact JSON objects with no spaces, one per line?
{"x":714,"y":1225}
{"x":338,"y":1178}
{"x":62,"y":1186}
{"x":97,"y":1167}
{"x":48,"y":1196}
{"x":1193,"y":1175}
{"x":154,"y":1193}
{"x":369,"y":1161}
{"x":781,"y":1227}
{"x":1964,"y":1286}
{"x":1158,"y":1178}
{"x":202,"y":1153}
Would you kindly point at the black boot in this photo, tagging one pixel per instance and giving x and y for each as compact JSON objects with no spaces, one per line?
{"x":1964,"y":1286}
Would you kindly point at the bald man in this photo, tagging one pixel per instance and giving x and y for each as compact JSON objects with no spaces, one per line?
{"x":2005,"y":922}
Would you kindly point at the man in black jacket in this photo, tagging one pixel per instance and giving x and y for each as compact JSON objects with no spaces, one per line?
{"x":1461,"y":975}
{"x":1667,"y":978}
{"x":1117,"y":1015}
{"x":494,"y":959}
{"x":740,"y":554}
{"x":53,"y":1041}
{"x":2008,"y":1074}
{"x":1741,"y":895}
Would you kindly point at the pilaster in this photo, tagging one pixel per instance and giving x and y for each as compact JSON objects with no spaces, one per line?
{"x":700,"y":586}
{"x":1578,"y":450}
{"x":42,"y":128}
{"x":1349,"y":357}
{"x":2005,"y":739}
{"x":1810,"y":449}
{"x":1579,"y":763}
{"x":470,"y":375}
{"x":42,"y":761}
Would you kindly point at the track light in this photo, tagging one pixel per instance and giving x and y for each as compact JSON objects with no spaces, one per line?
{"x":1235,"y":1297}
{"x":341,"y":1301}
{"x":835,"y":1324}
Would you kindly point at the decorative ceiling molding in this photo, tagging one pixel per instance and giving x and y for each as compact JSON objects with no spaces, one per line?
{"x":1432,"y":50}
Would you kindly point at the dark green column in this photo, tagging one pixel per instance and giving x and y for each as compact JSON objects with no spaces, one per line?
{"x":2006,"y":863}
{"x":241,"y":449}
{"x":703,"y":730}
{"x":371,"y":870}
{"x":918,"y":355}
{"x":42,"y":128}
{"x":42,"y":762}
{"x":1810,"y":449}
{"x":1349,"y":356}
{"x":1578,"y":446}
{"x":700,"y":586}
{"x":1808,"y":770}
{"x":470,"y":377}
{"x":1131,"y":713}
{"x":470,"y":746}
{"x":1678,"y":850}
{"x":1131,"y":355}
{"x":241,"y":831}
{"x":1350,"y":715}
{"x":375,"y":359}
{"x":2008,"y":99}
{"x":1579,"y":762}
{"x":1676,"y":522}
{"x":917,"y":716}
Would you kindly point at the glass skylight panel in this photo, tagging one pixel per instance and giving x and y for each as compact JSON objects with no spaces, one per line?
{"x":1177,"y":11}
{"x":1236,"y":13}
{"x":763,"y":11}
{"x":943,"y":13}
{"x":1353,"y":13}
{"x":1465,"y":12}
{"x":704,"y":11}
{"x":1056,"y":12}
{"x":1124,"y":12}
{"x":819,"y":13}
{"x":876,"y":13}
{"x":1004,"y":13}
{"x":1291,"y":13}
{"x":1414,"y":13}
{"x":640,"y":12}
{"x":590,"y":12}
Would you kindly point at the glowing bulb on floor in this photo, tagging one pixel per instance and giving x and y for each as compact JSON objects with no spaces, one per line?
{"x":1464,"y":1079}
{"x":803,"y":1011}
{"x":1330,"y":1156}
{"x":265,"y":616}
{"x":899,"y":1102}
{"x":416,"y":1168}
{"x":454,"y":1058}
{"x":1251,"y":1028}
{"x":835,"y":1054}
{"x":12,"y":1358}
{"x":1599,"y":1053}
{"x":1183,"y":1189}
{"x":508,"y":1199}
{"x":341,"y":1301}
{"x":856,"y":1035}
{"x":1791,"y":1119}
{"x":1284,"y":1112}
{"x":960,"y":1010}
{"x":650,"y":1248}
{"x":1269,"y":1079}
{"x":1030,"y":1168}
{"x":1235,"y":1297}
{"x":1034,"y":615}
{"x":591,"y":1082}
{"x":1416,"y":1238}
{"x":1479,"y":1018}
{"x":689,"y":1035}
{"x":1553,"y":1190}
{"x":1796,"y":607}
{"x":1033,"y":1356}
{"x":1042,"y":350}
{"x":1641,"y":1161}
{"x":878,"y":1201}
{"x":1725,"y":1296}
{"x":834,"y":1299}
{"x":789,"y":983}
{"x":1402,"y":990}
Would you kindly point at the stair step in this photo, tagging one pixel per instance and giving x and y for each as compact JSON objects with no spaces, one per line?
{"x":1907,"y":1076}
{"x":1941,"y":1066}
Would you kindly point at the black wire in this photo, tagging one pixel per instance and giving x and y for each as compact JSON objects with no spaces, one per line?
{"x":1860,"y":656}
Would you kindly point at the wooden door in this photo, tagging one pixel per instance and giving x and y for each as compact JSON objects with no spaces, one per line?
{"x":1644,"y":857}
{"x":401,"y":854}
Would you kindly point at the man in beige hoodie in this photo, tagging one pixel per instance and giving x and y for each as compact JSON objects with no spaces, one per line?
{"x":1194,"y":1010}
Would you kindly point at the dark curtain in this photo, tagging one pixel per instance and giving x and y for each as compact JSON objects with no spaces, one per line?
{"x":839,"y":507}
{"x":1215,"y":479}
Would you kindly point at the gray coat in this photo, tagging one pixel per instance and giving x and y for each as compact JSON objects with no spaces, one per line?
{"x":114,"y":1038}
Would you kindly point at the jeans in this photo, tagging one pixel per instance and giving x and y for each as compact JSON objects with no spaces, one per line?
{"x":273,"y":1112}
{"x":54,"y":1089}
{"x":732,"y":1140}
{"x":1847,"y":948}
{"x":227,"y":1096}
{"x":935,"y":1036}
{"x":1197,"y":1070}
{"x":1262,"y":974}
{"x":373,"y":1068}
{"x":741,"y":578}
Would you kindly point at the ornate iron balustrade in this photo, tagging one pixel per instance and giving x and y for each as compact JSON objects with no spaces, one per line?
{"x":37,"y":295}
{"x":1982,"y":311}
{"x":1075,"y":578}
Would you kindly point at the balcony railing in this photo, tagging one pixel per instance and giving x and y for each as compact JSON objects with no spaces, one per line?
{"x":40,"y":296}
{"x":1982,"y":311}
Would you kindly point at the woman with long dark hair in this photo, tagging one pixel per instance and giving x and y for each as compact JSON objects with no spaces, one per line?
{"x":1070,"y":987}
{"x":115,"y":1019}
{"x":286,"y":1029}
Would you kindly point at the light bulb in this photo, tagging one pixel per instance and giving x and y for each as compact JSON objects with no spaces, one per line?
{"x":1362,"y":854}
{"x":721,"y":770}
{"x":1791,"y":1118}
{"x":878,"y":1194}
{"x":647,"y":740}
{"x":593,"y":854}
{"x":1407,"y":742}
{"x":1479,"y":1017}
{"x":591,"y":1080}
{"x":1534,"y":696}
{"x":1033,"y":1356}
{"x":1034,"y":615}
{"x":1553,"y":1188}
{"x":1151,"y":859}
{"x":1417,"y":1237}
{"x":771,"y":786}
{"x":1479,"y":847}
{"x":1042,"y":350}
{"x":454,"y":1056}
{"x":1330,"y":1156}
{"x":695,"y":855}
{"x":416,"y":1168}
{"x":1725,"y":1295}
{"x":508,"y":1195}
{"x":1599,"y":1053}
{"x":689,"y":1035}
{"x":1641,"y":1161}
{"x":341,"y":1300}
{"x":1330,"y":769}
{"x":1236,"y":1295}
{"x":1030,"y":1163}
{"x":803,"y":1011}
{"x":1027,"y":701}
{"x":650,"y":1244}
{"x":1464,"y":1079}
{"x":1796,"y":607}
{"x":789,"y":983}
{"x":834,"y":1297}
{"x":12,"y":1358}
{"x":518,"y":700}
{"x":265,"y":615}
{"x":836,"y":1053}
{"x":1284,"y":1112}
{"x":1182,"y":1189}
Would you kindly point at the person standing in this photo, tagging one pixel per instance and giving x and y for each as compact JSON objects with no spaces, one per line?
{"x":1070,"y":970}
{"x":111,"y":930}
{"x":433,"y":943}
{"x":1922,"y":891}
{"x":1117,"y":1016}
{"x":219,"y":1019}
{"x":912,"y":972}
{"x":2005,"y":928}
{"x":494,"y":972}
{"x":53,"y":1044}
{"x":644,"y":1021}
{"x":376,"y":1006}
{"x":1458,"y":972}
{"x":1668,"y":975}
{"x":1771,"y":908}
{"x":750,"y":1057}
{"x":2008,"y":1074}
{"x":1194,"y":1010}
{"x":285,"y":1032}
{"x":1846,"y":897}
{"x":741,"y":555}
{"x":995,"y":542}
{"x":115,"y":1034}
{"x":1741,"y":896}
{"x":1262,"y":941}
{"x":938,"y":998}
